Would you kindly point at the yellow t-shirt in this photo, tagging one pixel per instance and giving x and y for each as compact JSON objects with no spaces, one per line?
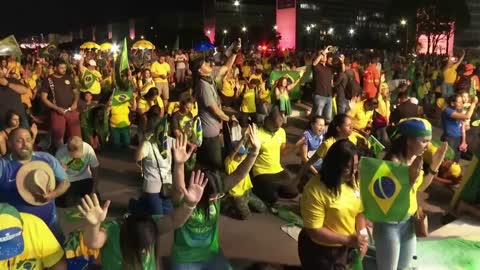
{"x":245,"y":184}
{"x":265,"y":95}
{"x":228,"y":87}
{"x":16,"y":68}
{"x":321,"y":208}
{"x":41,"y":249}
{"x":145,"y":86}
{"x":144,"y":105}
{"x":326,"y":144}
{"x":26,"y":98}
{"x":174,"y":106}
{"x":119,"y":115}
{"x":268,"y":161}
{"x":450,"y":74}
{"x":256,"y":77}
{"x":360,"y":117}
{"x":246,"y":71}
{"x":160,"y":69}
{"x":383,"y":107}
{"x":248,"y":101}
{"x":413,"y":195}
{"x":96,"y":88}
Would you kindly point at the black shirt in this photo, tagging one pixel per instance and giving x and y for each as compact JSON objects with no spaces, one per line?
{"x":322,"y":78}
{"x":63,"y":87}
{"x":10,"y":100}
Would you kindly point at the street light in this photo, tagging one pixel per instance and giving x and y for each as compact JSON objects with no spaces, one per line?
{"x":244,"y":29}
{"x":115,"y":48}
{"x":351,"y":31}
{"x":403,"y":22}
{"x":208,"y":32}
{"x":236,"y":3}
{"x":330,"y":30}
{"x":225,"y":31}
{"x":398,"y":40}
{"x":275,"y":27}
{"x":308,"y":28}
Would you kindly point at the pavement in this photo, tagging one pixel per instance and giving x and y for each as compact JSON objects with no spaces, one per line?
{"x":246,"y":243}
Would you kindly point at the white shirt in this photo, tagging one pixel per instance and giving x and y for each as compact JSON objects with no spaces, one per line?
{"x":180,"y":60}
{"x":78,"y":169}
{"x":152,"y":177}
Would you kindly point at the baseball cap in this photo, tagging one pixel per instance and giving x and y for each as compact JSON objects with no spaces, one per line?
{"x":11,"y":229}
{"x":92,"y":63}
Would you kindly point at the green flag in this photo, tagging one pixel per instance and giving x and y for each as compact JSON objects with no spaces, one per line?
{"x":448,"y":253}
{"x":88,"y":79}
{"x":9,"y":46}
{"x":376,"y":145}
{"x":291,"y":76}
{"x":469,"y":190}
{"x":123,"y":91}
{"x":384,"y":189}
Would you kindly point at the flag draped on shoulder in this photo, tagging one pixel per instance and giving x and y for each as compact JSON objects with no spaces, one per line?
{"x":88,"y":79}
{"x":291,"y":76}
{"x":9,"y":46}
{"x":384,"y":189}
{"x":469,"y":190}
{"x":123,"y":91}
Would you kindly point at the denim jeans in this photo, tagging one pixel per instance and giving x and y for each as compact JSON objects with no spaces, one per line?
{"x":322,"y":106}
{"x":395,"y":244}
{"x":447,"y":90}
{"x":218,"y":262}
{"x":150,"y":204}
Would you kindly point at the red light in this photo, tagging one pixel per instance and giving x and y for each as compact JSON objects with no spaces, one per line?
{"x":264,"y":48}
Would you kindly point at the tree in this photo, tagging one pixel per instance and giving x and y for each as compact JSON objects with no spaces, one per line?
{"x":436,"y":19}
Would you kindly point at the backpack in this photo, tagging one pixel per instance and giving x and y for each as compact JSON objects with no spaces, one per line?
{"x":464,"y":83}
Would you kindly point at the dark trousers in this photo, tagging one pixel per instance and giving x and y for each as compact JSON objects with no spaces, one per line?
{"x":75,"y":193}
{"x":315,"y":257}
{"x":269,"y":187}
{"x":454,"y":143}
{"x":210,"y":153}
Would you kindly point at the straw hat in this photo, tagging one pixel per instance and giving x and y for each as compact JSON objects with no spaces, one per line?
{"x":33,"y":178}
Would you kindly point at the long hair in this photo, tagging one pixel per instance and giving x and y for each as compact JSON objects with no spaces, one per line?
{"x":138,"y":238}
{"x":337,"y":160}
{"x":213,"y":187}
{"x":337,"y":122}
{"x":398,"y":148}
{"x":279,"y":82}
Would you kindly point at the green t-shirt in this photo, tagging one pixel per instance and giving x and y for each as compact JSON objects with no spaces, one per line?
{"x":197,"y":239}
{"x":110,"y":253}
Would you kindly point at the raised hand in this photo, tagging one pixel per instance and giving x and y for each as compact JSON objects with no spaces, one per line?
{"x":180,"y":153}
{"x":438,"y":156}
{"x":92,"y":211}
{"x":194,"y":193}
{"x":253,"y":138}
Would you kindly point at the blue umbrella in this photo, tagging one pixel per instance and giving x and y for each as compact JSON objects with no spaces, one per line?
{"x":203,"y":46}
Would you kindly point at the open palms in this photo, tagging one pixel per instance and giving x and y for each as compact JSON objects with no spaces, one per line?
{"x":180,"y":153}
{"x":92,"y":211}
{"x":194,"y":193}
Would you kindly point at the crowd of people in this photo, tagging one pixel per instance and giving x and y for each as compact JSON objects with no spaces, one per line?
{"x":213,"y":118}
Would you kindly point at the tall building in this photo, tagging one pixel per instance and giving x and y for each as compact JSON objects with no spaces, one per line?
{"x":471,"y":35}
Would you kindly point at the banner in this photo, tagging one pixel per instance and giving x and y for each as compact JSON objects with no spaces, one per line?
{"x":291,"y":76}
{"x":384,"y":190}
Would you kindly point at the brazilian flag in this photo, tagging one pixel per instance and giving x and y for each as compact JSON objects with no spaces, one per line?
{"x":78,"y":255}
{"x":161,"y":136}
{"x":291,"y":76}
{"x":123,"y":91}
{"x":375,"y":145}
{"x":88,"y":79}
{"x":469,"y":190}
{"x":384,"y":190}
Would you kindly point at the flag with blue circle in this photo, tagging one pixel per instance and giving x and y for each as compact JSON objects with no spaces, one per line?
{"x":384,"y":189}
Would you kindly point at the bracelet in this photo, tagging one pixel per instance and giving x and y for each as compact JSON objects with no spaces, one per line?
{"x":189,"y":207}
{"x":431,"y":171}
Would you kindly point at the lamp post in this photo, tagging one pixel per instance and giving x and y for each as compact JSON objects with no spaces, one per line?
{"x":244,"y":31}
{"x":403,"y":22}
